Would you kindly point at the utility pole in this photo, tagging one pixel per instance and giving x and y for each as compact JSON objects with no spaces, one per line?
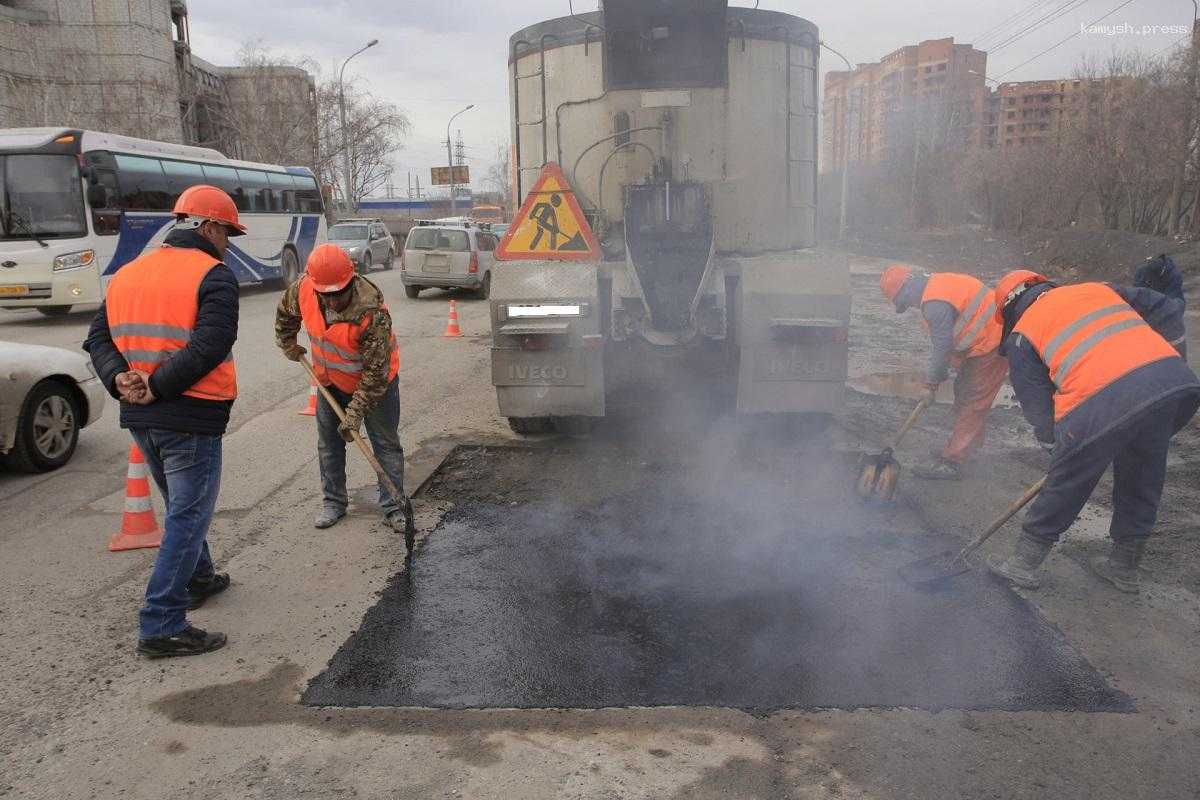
{"x":846,"y":143}
{"x":347,"y":195}
{"x":450,"y":161}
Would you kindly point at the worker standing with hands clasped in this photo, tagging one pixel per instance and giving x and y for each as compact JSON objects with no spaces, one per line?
{"x":1098,"y":373}
{"x":957,"y":311}
{"x":162,"y":343}
{"x":356,"y":357}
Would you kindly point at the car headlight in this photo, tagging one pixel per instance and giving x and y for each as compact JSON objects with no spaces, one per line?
{"x":353,"y":251}
{"x":70,"y":261}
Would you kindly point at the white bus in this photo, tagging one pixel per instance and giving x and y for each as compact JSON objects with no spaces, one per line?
{"x":76,"y":206}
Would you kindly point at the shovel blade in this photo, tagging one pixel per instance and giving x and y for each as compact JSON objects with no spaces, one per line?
{"x":934,"y":570}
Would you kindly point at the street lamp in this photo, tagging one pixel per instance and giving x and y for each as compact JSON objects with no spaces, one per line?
{"x":347,"y":175}
{"x":450,"y":161}
{"x":846,"y":148}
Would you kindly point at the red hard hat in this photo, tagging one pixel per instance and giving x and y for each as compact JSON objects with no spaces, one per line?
{"x":1011,"y":286}
{"x":209,"y":203}
{"x":893,"y":279}
{"x":329,"y":268}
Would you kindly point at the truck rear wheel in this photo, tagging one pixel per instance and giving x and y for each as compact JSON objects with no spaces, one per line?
{"x":527,"y":426}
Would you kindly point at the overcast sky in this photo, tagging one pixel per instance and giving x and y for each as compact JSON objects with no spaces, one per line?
{"x":437,"y":56}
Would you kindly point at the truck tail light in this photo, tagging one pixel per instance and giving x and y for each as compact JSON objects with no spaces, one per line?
{"x":474,"y":268}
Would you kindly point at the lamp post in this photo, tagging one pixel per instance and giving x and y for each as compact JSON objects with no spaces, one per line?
{"x":450,"y":160}
{"x":845,"y":149}
{"x":347,"y":175}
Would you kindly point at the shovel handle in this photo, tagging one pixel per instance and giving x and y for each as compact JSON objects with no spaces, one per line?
{"x":1012,"y":510}
{"x":397,"y":495}
{"x":908,"y":423}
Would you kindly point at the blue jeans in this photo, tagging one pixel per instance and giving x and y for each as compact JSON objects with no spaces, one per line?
{"x":381,"y":423}
{"x":187,"y":469}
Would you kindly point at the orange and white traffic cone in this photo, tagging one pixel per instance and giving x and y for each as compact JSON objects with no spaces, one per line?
{"x":452,"y":329}
{"x":310,"y":410}
{"x":138,"y":526}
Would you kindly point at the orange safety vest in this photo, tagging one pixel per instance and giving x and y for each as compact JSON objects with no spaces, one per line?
{"x":976,"y":333}
{"x":1088,"y":337}
{"x":152,"y":304}
{"x":335,"y":354}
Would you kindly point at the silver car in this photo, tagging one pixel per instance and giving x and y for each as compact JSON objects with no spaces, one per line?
{"x":448,"y":257}
{"x":47,"y":395}
{"x":367,"y":241}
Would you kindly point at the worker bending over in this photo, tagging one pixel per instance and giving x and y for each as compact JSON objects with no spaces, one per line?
{"x":1098,"y":373}
{"x":355,"y":356}
{"x":957,"y":311}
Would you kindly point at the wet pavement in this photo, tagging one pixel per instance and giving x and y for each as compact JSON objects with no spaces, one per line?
{"x":581,"y":575}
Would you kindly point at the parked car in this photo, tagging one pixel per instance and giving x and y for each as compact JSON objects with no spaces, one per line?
{"x":366,"y":240}
{"x":448,"y":256}
{"x":47,"y":395}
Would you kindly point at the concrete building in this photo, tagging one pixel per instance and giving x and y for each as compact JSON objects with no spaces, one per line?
{"x":126,"y":66}
{"x":934,"y":89}
{"x":1039,"y":112}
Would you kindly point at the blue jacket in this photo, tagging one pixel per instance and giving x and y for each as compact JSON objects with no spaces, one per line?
{"x":212,"y":339}
{"x":940,"y":316}
{"x":1116,"y":404}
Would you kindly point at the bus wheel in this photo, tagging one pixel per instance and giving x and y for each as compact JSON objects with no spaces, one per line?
{"x":54,"y":311}
{"x":290,"y":268}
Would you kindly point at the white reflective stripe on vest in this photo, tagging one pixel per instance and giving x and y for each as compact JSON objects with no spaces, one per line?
{"x":1080,"y":350}
{"x":335,"y":366}
{"x":142,"y":329}
{"x":983,"y":299}
{"x":325,"y":344}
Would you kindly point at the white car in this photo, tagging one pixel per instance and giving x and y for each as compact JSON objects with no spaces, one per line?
{"x":47,"y":395}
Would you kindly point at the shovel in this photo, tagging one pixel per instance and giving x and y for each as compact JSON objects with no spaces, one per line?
{"x":880,"y":473}
{"x":946,"y":565}
{"x":410,"y":531}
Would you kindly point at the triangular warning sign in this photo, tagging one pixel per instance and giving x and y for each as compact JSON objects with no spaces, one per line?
{"x":550,"y":225}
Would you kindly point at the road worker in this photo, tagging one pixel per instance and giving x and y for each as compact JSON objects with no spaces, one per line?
{"x":957,"y":312}
{"x":1098,"y":373}
{"x":355,"y":356}
{"x":162,"y":343}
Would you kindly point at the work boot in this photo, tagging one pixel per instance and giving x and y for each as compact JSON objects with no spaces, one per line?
{"x":1021,"y":568}
{"x":939,"y":469}
{"x":191,"y":641}
{"x":1120,"y":566}
{"x":200,"y":591}
{"x":329,"y":517}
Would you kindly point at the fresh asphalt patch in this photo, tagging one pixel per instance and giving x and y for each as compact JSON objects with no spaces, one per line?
{"x":583,"y":576}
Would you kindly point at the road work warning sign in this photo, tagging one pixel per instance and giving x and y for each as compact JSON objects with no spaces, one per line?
{"x":550,"y":225}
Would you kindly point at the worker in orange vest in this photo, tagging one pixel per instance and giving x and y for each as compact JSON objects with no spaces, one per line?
{"x":957,"y":312}
{"x":162,"y":343}
{"x":1098,"y":373}
{"x":355,"y":356}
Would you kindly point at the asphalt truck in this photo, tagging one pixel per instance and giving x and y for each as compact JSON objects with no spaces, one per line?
{"x":687,"y":130}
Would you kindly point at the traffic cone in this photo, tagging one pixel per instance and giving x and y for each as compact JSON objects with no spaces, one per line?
{"x":310,"y":410}
{"x":452,"y":324}
{"x":138,"y":526}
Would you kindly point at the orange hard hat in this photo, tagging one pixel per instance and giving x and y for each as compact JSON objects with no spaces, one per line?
{"x":329,"y":268}
{"x":209,"y":203}
{"x":1012,"y":285}
{"x":893,"y":280}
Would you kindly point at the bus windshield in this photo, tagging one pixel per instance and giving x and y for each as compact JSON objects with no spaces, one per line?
{"x":41,"y":196}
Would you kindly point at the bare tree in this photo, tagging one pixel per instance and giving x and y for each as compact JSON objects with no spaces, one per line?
{"x":499,"y":175}
{"x":375,"y":130}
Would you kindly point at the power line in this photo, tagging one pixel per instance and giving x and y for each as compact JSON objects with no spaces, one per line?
{"x":1054,"y":15}
{"x":993,"y":31}
{"x":1064,"y":41}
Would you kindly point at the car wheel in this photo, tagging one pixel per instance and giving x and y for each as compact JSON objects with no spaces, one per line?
{"x":527,"y":426}
{"x":48,"y":428}
{"x":412,"y":292}
{"x":485,"y":289}
{"x":366,"y":263}
{"x":54,"y":311}
{"x":289,"y":269}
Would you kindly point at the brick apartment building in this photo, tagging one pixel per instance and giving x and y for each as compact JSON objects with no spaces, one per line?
{"x":126,"y":66}
{"x":1039,"y":112}
{"x":880,"y":104}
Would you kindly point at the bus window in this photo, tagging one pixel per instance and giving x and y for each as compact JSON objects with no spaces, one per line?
{"x":180,"y":176}
{"x":308,"y":196}
{"x":257,"y":188}
{"x":143,"y":184}
{"x":284,"y":189}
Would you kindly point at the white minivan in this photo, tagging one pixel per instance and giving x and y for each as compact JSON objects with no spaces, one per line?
{"x":448,"y":256}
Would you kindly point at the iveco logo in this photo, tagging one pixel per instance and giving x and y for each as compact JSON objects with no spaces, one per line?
{"x":8,"y":264}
